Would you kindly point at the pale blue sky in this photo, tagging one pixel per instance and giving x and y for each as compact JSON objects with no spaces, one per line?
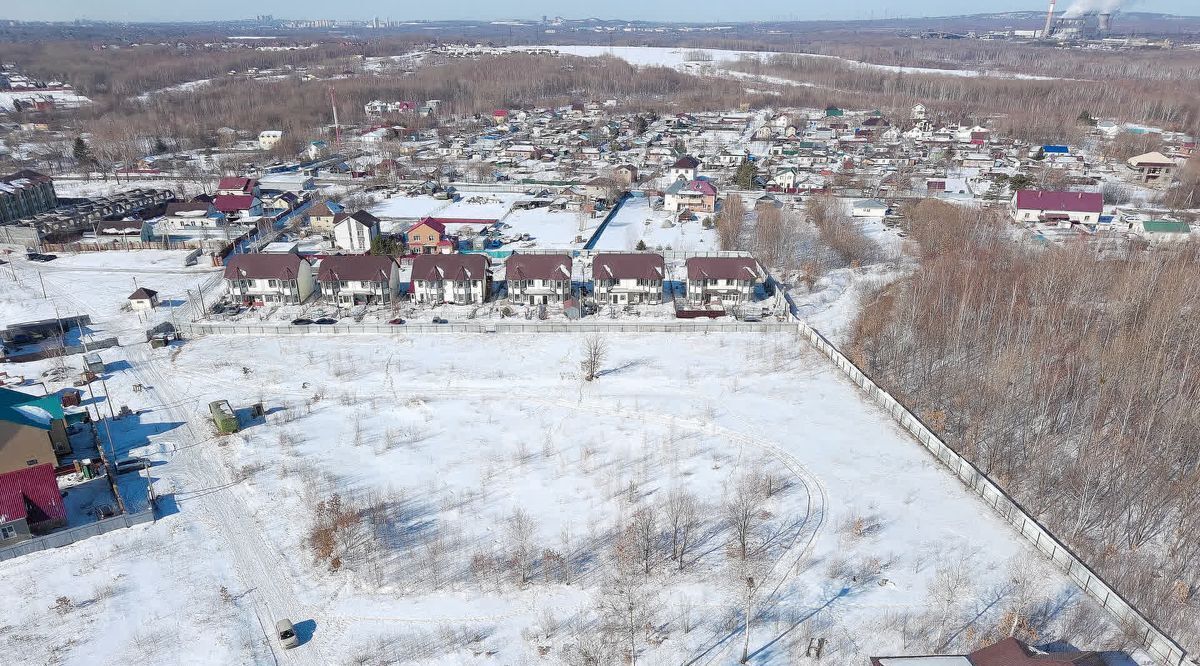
{"x":658,"y":10}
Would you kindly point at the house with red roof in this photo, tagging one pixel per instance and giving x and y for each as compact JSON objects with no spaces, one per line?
{"x":451,"y":278}
{"x":259,"y":279}
{"x":725,"y":280}
{"x":428,"y":236}
{"x":1008,"y":652}
{"x":30,"y":503}
{"x":358,"y":279}
{"x":1057,"y":207}
{"x":698,"y":196}
{"x":237,"y":206}
{"x":685,"y":168}
{"x":621,"y":278}
{"x":538,"y":279}
{"x":238,"y":185}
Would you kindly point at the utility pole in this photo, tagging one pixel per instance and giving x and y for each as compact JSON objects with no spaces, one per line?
{"x":43,"y":283}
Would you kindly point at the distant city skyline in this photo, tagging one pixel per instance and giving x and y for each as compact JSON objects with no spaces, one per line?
{"x":683,"y":11}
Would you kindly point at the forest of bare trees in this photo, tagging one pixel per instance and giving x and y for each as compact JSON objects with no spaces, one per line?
{"x":1068,"y":377}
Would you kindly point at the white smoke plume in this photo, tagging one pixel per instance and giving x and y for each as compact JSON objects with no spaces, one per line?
{"x":1083,"y":7}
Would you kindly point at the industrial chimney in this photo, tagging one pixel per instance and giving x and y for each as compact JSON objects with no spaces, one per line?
{"x":1105,"y":23}
{"x":1049,"y":21}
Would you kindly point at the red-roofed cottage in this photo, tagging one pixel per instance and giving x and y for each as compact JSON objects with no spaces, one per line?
{"x":451,"y":278}
{"x":258,"y":279}
{"x":1063,"y":207}
{"x":427,"y":236}
{"x":1008,"y":652}
{"x":726,"y":280}
{"x":30,"y":503}
{"x":358,"y":279}
{"x":627,"y":278}
{"x":538,"y":279}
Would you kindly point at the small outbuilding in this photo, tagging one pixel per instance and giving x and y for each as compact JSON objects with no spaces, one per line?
{"x":143,"y":299}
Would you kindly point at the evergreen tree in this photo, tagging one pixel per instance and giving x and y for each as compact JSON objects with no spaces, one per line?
{"x":744,"y":177}
{"x":82,"y":153}
{"x":641,"y":246}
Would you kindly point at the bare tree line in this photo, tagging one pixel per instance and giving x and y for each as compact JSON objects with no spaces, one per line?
{"x":1067,"y":377}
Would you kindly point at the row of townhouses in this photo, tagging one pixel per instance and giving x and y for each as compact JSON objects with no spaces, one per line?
{"x":530,"y":279}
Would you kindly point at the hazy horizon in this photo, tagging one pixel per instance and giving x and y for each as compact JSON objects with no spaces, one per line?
{"x":694,"y":11}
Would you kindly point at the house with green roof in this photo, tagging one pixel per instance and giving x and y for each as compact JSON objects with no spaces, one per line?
{"x":1166,"y":228}
{"x":33,"y":430}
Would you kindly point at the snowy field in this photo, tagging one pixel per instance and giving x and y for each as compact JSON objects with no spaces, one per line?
{"x":636,"y":221}
{"x":680,"y":58}
{"x":98,"y":187}
{"x":401,"y":206}
{"x":98,"y":284}
{"x":502,"y":497}
{"x":480,"y":455}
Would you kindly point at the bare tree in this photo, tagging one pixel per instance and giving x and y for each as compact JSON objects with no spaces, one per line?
{"x":743,"y":511}
{"x":595,"y":350}
{"x":682,"y":514}
{"x":521,"y":530}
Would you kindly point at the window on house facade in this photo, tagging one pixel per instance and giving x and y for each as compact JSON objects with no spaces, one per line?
{"x":7,"y":532}
{"x":31,"y":463}
{"x":273,"y":283}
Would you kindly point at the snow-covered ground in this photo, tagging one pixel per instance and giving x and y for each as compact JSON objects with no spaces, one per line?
{"x":450,"y":435}
{"x":637,"y":221}
{"x":98,"y":187}
{"x":98,"y":284}
{"x":682,"y":59}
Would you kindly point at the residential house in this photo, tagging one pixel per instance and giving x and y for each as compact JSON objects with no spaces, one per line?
{"x":627,"y":174}
{"x":685,"y":168}
{"x":1153,"y":168}
{"x":1057,"y":207}
{"x":1166,"y":230}
{"x":868,"y":208}
{"x":536,"y":279}
{"x":259,"y":279}
{"x":30,"y":503}
{"x":428,"y":236}
{"x":450,"y":278}
{"x":1007,"y":652}
{"x":321,"y":216}
{"x":727,"y":280}
{"x":237,"y":206}
{"x":143,"y":299}
{"x":358,"y":279}
{"x":355,"y":232}
{"x":628,"y":278}
{"x":239,"y":185}
{"x":698,"y":196}
{"x":32,"y":430}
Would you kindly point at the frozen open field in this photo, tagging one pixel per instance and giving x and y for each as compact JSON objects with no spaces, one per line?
{"x":501,"y":498}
